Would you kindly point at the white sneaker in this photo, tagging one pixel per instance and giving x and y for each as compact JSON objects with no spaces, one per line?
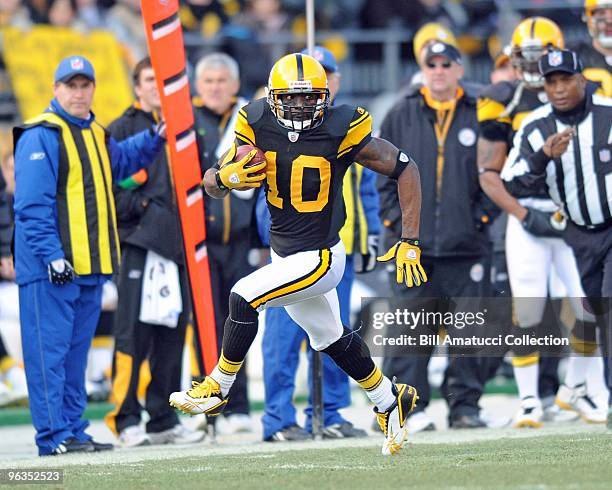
{"x":15,"y":378}
{"x":576,"y":399}
{"x":237,"y":423}
{"x":179,"y":434}
{"x":393,"y":421}
{"x":530,"y":414}
{"x":134,"y":436}
{"x":204,"y":397}
{"x":419,"y":422}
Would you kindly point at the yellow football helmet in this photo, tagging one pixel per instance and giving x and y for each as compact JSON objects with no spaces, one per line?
{"x":599,"y":22}
{"x":297,"y":92}
{"x":532,"y":38}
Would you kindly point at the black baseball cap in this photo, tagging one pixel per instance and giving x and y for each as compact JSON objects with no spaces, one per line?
{"x":442,"y":49}
{"x":560,"y":60}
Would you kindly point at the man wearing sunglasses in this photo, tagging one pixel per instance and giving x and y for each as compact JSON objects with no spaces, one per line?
{"x":438,"y":120}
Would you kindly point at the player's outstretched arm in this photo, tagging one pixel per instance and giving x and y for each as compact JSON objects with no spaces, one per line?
{"x":383,"y":157}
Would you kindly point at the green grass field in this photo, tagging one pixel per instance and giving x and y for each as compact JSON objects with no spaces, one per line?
{"x":581,"y":461}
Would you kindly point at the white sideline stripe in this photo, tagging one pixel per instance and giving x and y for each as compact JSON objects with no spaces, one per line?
{"x":201,"y":254}
{"x":194,"y":197}
{"x":176,"y":86}
{"x":186,"y":141}
{"x":164,"y":31}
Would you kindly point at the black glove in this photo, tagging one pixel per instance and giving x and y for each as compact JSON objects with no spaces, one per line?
{"x":366,"y":262}
{"x":60,"y":272}
{"x":539,"y":223}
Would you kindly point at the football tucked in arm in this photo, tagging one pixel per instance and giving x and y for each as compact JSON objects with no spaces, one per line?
{"x":259,"y":157}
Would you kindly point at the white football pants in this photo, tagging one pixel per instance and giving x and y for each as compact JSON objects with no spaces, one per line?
{"x":305,"y":284}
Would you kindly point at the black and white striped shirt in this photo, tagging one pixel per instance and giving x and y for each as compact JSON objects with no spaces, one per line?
{"x":580,"y":181}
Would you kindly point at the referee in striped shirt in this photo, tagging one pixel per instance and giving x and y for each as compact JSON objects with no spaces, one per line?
{"x":567,"y":145}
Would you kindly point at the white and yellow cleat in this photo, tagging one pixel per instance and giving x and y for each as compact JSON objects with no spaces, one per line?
{"x":591,"y":409}
{"x":204,"y":397}
{"x":393,"y":421}
{"x":530,"y":414}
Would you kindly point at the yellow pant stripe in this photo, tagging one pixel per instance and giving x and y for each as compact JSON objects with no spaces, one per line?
{"x":524,"y":361}
{"x":298,"y":284}
{"x":121,"y":385}
{"x":372,"y":381}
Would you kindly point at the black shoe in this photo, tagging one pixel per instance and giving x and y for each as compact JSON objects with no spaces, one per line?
{"x":101,"y":446}
{"x":467,"y":422}
{"x":340,"y":431}
{"x":292,"y":433}
{"x":71,"y":445}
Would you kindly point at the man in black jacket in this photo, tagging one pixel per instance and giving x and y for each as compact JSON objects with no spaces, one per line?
{"x":229,"y":221}
{"x":437,"y":122}
{"x":148,"y":223}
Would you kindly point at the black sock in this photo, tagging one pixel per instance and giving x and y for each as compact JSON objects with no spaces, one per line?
{"x":240,"y":329}
{"x":352,"y":355}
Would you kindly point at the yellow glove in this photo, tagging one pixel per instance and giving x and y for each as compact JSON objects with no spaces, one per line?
{"x":407,"y":256}
{"x":235,"y":175}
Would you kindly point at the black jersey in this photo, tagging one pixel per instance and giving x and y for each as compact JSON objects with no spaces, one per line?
{"x":597,"y":67}
{"x":305,"y":172}
{"x":501,"y":109}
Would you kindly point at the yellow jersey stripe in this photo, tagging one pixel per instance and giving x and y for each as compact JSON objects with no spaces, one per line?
{"x":359,"y":120}
{"x":491,"y":110}
{"x":75,"y":201}
{"x":245,"y":139}
{"x":361,"y":129}
{"x":100,"y":137}
{"x":243,"y":129}
{"x":106,"y":265}
{"x":298,"y":284}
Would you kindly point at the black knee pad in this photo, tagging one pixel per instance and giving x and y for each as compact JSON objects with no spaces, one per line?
{"x":240,"y":310}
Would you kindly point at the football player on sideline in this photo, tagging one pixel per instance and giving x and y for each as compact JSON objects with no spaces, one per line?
{"x":534,"y":248}
{"x":596,"y":53}
{"x":309,"y":146}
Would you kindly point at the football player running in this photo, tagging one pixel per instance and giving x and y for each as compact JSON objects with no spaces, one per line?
{"x":309,"y":146}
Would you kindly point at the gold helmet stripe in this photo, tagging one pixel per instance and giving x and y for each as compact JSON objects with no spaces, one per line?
{"x":300,"y":67}
{"x":533,"y":28}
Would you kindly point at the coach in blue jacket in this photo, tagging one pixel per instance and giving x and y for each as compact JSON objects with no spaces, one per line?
{"x":66,"y":245}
